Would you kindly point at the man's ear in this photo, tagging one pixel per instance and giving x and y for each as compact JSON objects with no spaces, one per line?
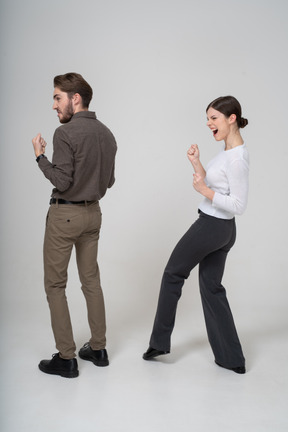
{"x":77,"y":99}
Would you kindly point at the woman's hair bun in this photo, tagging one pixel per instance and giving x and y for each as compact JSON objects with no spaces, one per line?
{"x":229,"y":105}
{"x":243,"y":122}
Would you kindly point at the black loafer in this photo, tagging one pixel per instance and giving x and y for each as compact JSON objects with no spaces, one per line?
{"x":59,"y":366}
{"x":98,"y":357}
{"x":239,"y":369}
{"x":152,"y":352}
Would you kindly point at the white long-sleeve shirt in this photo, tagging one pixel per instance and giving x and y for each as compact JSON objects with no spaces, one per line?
{"x":228,"y":176}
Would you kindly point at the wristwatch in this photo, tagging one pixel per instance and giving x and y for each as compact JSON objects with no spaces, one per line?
{"x":40,"y":157}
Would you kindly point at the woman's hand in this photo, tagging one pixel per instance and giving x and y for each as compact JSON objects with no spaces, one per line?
{"x":193,"y":153}
{"x":201,"y":187}
{"x":199,"y":183}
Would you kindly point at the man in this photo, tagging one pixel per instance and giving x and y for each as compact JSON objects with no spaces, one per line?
{"x":82,"y":169}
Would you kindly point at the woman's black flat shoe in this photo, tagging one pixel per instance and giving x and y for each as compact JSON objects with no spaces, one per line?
{"x":151,"y":353}
{"x":239,"y":369}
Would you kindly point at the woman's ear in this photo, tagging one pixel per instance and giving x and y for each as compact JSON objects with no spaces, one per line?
{"x":232,"y":118}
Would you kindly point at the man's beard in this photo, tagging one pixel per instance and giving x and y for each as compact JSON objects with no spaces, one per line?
{"x":67,"y":114}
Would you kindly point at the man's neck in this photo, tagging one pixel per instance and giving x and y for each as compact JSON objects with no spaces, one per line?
{"x":76,"y":110}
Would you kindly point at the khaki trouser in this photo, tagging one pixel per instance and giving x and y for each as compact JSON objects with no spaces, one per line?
{"x":68,"y":225}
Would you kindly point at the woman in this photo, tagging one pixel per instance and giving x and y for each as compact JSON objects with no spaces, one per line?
{"x":224,"y":187}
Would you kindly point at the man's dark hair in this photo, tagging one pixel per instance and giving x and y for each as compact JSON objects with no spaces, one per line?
{"x":72,"y":83}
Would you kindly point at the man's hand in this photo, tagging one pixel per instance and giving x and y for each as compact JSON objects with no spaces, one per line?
{"x":39,"y":145}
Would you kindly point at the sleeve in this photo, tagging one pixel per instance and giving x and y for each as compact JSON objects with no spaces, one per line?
{"x":60,"y":171}
{"x":238,"y":179}
{"x":112,"y":177}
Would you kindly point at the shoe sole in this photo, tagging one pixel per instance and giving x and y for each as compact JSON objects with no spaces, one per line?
{"x":63,"y":374}
{"x":99,"y":363}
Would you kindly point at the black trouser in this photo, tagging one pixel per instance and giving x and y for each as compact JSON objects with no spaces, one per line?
{"x":206,"y":243}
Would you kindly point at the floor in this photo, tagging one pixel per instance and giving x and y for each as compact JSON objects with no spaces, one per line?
{"x":183,"y":391}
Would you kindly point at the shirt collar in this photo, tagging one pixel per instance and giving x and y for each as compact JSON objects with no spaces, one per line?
{"x":85,"y":114}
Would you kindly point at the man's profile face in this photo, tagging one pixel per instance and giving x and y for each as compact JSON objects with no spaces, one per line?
{"x":63,"y":105}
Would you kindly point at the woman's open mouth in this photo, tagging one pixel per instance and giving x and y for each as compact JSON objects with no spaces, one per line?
{"x":215,"y":131}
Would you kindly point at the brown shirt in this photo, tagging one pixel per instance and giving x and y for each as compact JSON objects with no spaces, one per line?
{"x":83,"y":159}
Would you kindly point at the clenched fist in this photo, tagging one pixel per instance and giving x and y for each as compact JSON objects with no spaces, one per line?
{"x":39,"y":145}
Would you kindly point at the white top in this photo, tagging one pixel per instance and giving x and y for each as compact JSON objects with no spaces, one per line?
{"x":228,"y":176}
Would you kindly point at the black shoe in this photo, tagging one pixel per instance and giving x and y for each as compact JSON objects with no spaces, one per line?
{"x":59,"y":366}
{"x":151,"y":353}
{"x":98,"y":357}
{"x":239,"y":369}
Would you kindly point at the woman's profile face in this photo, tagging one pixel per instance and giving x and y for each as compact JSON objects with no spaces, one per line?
{"x":218,"y":123}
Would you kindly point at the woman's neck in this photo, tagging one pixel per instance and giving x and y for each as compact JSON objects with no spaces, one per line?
{"x":233,"y":140}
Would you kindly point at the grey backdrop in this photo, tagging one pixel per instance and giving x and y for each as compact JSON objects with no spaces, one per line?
{"x":154,"y":66}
